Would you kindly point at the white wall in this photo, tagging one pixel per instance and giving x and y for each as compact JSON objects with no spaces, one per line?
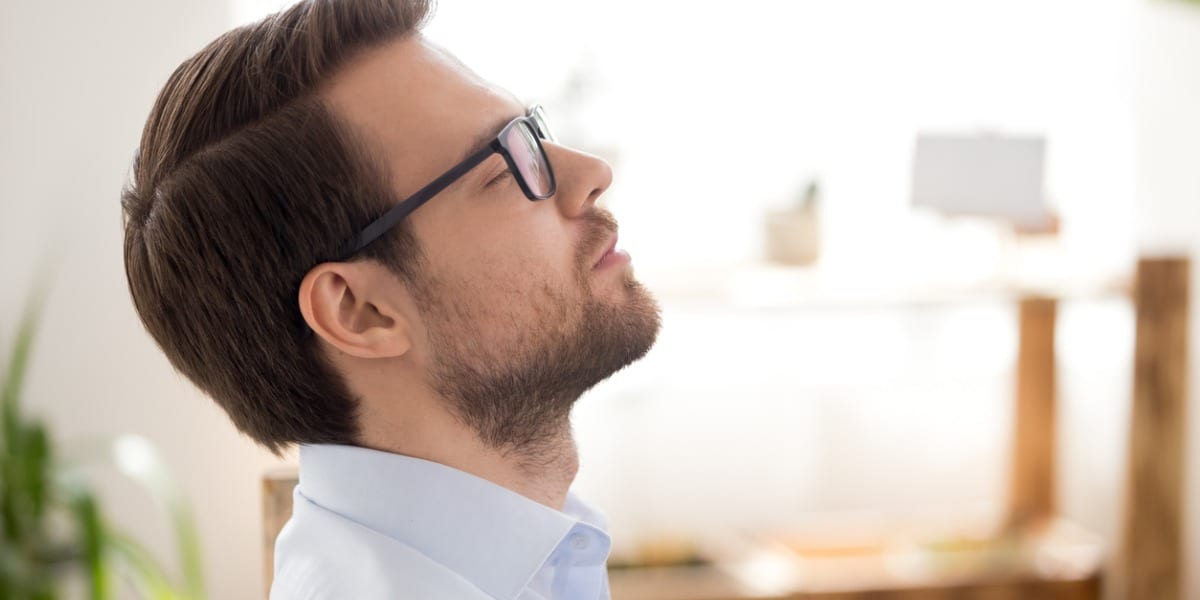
{"x":77,"y":80}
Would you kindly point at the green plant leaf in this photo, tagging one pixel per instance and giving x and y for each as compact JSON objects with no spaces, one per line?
{"x":35,"y":448}
{"x":21,"y":473}
{"x":93,"y":539}
{"x":18,"y":362}
{"x":149,"y":576}
{"x":139,"y":460}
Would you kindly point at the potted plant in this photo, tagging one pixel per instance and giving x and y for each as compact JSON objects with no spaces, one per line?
{"x":51,"y":524}
{"x":793,"y":234}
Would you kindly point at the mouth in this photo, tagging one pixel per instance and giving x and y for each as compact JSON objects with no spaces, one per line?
{"x":609,"y":248}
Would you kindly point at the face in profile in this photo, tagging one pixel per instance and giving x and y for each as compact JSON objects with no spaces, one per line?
{"x":523,"y":305}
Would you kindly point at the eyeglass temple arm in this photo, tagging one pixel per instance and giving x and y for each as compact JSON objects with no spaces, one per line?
{"x":397,"y":213}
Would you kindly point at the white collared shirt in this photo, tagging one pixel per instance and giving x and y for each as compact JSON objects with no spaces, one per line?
{"x":371,"y":525}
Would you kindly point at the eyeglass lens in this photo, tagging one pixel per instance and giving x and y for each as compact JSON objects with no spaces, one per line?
{"x":529,"y":158}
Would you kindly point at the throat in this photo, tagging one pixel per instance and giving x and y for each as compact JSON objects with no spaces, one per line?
{"x":543,"y":470}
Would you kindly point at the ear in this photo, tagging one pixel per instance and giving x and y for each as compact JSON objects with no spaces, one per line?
{"x":355,"y":308}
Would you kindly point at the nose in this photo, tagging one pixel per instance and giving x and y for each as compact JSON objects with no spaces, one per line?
{"x":581,"y":179}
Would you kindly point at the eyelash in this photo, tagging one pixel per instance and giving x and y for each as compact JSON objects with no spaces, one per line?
{"x":501,"y":175}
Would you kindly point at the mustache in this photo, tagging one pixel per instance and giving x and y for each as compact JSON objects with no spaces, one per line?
{"x":599,"y":225}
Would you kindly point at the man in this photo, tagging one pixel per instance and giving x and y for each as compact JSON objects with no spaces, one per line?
{"x":353,"y":243}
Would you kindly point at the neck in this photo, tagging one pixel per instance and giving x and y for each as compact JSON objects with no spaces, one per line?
{"x":542,"y":472}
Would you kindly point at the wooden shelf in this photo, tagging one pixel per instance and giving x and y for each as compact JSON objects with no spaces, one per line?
{"x":1054,"y":560}
{"x":773,"y":287}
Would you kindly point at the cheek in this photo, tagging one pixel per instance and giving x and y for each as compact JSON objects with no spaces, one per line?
{"x":522,"y":272}
{"x":520,"y":247}
{"x":502,"y":271}
{"x":506,"y":267}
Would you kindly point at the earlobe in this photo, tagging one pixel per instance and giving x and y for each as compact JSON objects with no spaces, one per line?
{"x":343,"y":303}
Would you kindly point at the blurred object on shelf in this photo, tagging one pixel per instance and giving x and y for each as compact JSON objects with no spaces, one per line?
{"x":983,"y":175}
{"x":953,"y":560}
{"x":660,"y":552}
{"x":1048,"y":229}
{"x":794,"y":234}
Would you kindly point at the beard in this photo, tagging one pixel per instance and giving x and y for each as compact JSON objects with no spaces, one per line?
{"x":516,"y":391}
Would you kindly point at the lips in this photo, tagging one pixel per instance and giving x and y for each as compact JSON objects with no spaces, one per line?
{"x":608,"y":249}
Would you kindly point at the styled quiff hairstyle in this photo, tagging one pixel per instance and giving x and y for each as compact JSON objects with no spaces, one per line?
{"x":243,"y":182}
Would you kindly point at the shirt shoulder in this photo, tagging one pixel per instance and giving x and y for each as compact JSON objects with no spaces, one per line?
{"x":322,"y":555}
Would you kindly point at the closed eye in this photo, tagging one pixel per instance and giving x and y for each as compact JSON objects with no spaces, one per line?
{"x":500,"y":177}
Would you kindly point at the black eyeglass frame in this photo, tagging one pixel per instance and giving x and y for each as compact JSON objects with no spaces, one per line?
{"x":535,"y":120}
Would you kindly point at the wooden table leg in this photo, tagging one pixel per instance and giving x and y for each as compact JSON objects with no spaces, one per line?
{"x":277,"y":487}
{"x":1151,"y":561}
{"x":1031,"y":489}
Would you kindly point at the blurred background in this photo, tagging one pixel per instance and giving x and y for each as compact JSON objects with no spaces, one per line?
{"x":840,"y":341}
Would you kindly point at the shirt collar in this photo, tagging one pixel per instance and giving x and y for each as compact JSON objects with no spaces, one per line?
{"x":492,"y":536}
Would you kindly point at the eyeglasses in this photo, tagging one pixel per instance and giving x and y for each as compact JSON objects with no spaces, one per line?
{"x":520,"y":145}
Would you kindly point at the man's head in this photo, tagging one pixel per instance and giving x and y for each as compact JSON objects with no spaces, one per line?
{"x":280,"y":141}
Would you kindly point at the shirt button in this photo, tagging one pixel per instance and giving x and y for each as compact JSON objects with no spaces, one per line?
{"x":579,"y":541}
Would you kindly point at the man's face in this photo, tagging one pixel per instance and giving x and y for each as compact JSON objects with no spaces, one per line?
{"x":518,"y":318}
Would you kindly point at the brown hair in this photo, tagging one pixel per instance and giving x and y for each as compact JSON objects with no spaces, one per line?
{"x":243,"y":182}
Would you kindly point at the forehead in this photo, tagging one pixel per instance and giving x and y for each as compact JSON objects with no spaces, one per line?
{"x":418,"y":104}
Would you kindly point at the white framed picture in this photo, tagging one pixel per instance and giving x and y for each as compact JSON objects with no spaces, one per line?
{"x":982,"y":175}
